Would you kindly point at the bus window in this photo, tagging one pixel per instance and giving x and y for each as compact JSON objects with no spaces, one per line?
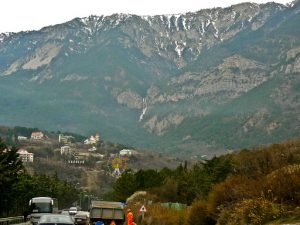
{"x":41,"y":207}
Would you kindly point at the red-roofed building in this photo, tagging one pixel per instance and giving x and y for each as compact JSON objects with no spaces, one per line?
{"x":37,"y":135}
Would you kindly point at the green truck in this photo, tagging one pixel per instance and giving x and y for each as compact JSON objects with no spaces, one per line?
{"x":106,"y":211}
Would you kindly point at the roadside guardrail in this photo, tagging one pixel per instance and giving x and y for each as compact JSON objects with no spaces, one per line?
{"x":12,"y":220}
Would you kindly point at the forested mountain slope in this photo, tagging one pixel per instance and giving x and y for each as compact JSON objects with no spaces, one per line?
{"x":196,"y":83}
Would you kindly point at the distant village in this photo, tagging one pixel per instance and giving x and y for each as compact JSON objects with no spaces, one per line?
{"x":77,"y":153}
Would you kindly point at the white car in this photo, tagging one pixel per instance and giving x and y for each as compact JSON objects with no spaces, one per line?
{"x":73,"y":211}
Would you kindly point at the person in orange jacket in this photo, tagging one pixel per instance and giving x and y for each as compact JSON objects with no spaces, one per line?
{"x":112,"y":222}
{"x":130,"y":217}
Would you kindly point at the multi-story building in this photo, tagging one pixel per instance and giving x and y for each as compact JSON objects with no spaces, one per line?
{"x":66,"y":150}
{"x":25,"y":155}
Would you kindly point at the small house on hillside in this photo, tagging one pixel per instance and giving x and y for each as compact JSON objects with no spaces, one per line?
{"x":126,"y":152}
{"x":22,"y":138}
{"x":92,"y":140}
{"x":37,"y":135}
{"x":92,"y":149}
{"x":25,"y":155}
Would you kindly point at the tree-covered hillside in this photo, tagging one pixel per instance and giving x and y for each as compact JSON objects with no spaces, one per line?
{"x":17,"y":186}
{"x":251,"y":186}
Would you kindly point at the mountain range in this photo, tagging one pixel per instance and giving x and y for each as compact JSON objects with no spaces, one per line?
{"x":195,"y":83}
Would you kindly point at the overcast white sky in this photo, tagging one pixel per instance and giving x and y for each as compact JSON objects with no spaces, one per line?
{"x":22,"y":15}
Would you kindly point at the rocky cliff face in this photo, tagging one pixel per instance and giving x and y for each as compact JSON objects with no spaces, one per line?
{"x":176,"y":38}
{"x":207,"y":75}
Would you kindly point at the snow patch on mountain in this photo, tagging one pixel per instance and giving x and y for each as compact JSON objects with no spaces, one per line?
{"x":144,"y":109}
{"x":4,"y":36}
{"x":74,"y":77}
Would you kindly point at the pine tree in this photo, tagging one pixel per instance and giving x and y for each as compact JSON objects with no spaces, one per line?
{"x":11,"y":168}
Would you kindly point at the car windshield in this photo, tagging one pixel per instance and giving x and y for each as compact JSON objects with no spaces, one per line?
{"x":65,"y":212}
{"x":56,"y":219}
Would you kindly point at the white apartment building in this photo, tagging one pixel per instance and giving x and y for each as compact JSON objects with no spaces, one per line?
{"x":25,"y":155}
{"x":66,"y":150}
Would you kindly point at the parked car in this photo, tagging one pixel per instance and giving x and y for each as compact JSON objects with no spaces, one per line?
{"x":55,"y":219}
{"x":81,"y":218}
{"x":73,"y":211}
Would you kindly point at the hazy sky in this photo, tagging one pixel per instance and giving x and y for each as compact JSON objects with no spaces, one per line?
{"x":22,"y":15}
